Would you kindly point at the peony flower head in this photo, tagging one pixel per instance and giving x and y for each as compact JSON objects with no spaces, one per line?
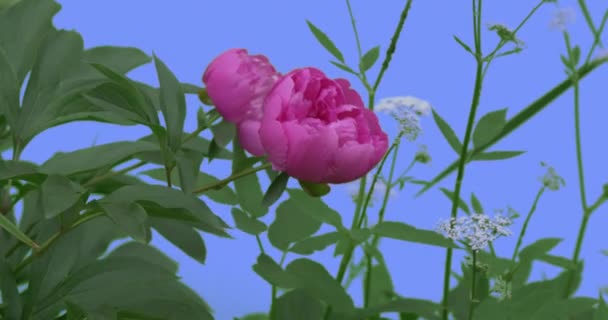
{"x":318,"y":130}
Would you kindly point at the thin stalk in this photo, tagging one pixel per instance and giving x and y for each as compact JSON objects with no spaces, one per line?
{"x":525,"y":226}
{"x":473,"y":301}
{"x":463,"y":155}
{"x":223,"y":182}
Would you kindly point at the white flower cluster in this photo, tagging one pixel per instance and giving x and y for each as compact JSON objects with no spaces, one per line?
{"x":477,"y":230}
{"x":562,"y":18}
{"x":407,"y":111}
{"x":379,"y":189}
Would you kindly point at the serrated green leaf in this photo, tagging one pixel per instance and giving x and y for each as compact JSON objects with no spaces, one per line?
{"x":488,"y":127}
{"x":325,"y":41}
{"x":448,"y":133}
{"x":246,"y":223}
{"x":405,"y":232}
{"x":276,"y":189}
{"x":369,"y":59}
{"x":538,"y":248}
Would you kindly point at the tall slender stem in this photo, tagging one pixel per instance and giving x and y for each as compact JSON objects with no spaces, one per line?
{"x":473,"y":285}
{"x":463,"y":152}
{"x":525,"y":226}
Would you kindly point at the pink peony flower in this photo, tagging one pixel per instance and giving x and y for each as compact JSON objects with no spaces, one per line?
{"x":318,"y":130}
{"x":237,"y":84}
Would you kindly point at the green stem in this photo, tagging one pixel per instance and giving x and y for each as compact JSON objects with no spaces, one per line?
{"x":474,"y":271}
{"x":223,"y":182}
{"x":393,"y":44}
{"x":463,"y":158}
{"x":375,"y":239}
{"x":597,"y":37}
{"x":525,"y":226}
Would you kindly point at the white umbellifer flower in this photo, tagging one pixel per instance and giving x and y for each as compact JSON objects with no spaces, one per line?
{"x":477,"y":230}
{"x":406,"y":110}
{"x":551,"y":179}
{"x":379,"y":189}
{"x":562,"y":18}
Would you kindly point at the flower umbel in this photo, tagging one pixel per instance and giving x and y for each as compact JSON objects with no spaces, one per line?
{"x":505,"y":33}
{"x":502,"y":289}
{"x":477,"y":230}
{"x":562,"y":18}
{"x":407,"y":111}
{"x":551,"y":180}
{"x":422,"y":155}
{"x":379,"y":189}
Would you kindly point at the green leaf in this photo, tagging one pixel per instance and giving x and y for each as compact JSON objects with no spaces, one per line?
{"x":188,"y":167}
{"x":60,"y":54}
{"x":602,"y":310}
{"x":121,"y":59}
{"x":21,"y":170}
{"x":448,"y":133}
{"x":253,"y":316}
{"x":276,"y":189}
{"x":59,"y":194}
{"x":463,"y":45}
{"x":461,"y":204}
{"x":223,"y":133}
{"x":423,"y":308}
{"x":184,"y":207}
{"x":298,"y":305}
{"x":316,"y":190}
{"x":476,"y":204}
{"x":146,"y":288}
{"x":315,"y":243}
{"x":344,"y":67}
{"x":172,"y":104}
{"x":381,"y":285}
{"x":33,"y":19}
{"x":129,"y":217}
{"x":325,"y":41}
{"x":538,"y":249}
{"x":313,"y":207}
{"x":248,"y":190}
{"x":314,"y":278}
{"x":9,"y":90}
{"x":496,"y":155}
{"x":290,"y":225}
{"x":148,"y":253}
{"x":9,"y":291}
{"x":488,"y":127}
{"x":272,"y":272}
{"x":11,"y":228}
{"x":182,"y":236}
{"x":557,"y":261}
{"x":106,"y":155}
{"x":402,"y":231}
{"x":246,"y":223}
{"x":369,"y":59}
{"x":520,"y":118}
{"x":74,"y":312}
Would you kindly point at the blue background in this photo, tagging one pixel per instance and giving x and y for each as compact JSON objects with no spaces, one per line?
{"x":428,"y":64}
